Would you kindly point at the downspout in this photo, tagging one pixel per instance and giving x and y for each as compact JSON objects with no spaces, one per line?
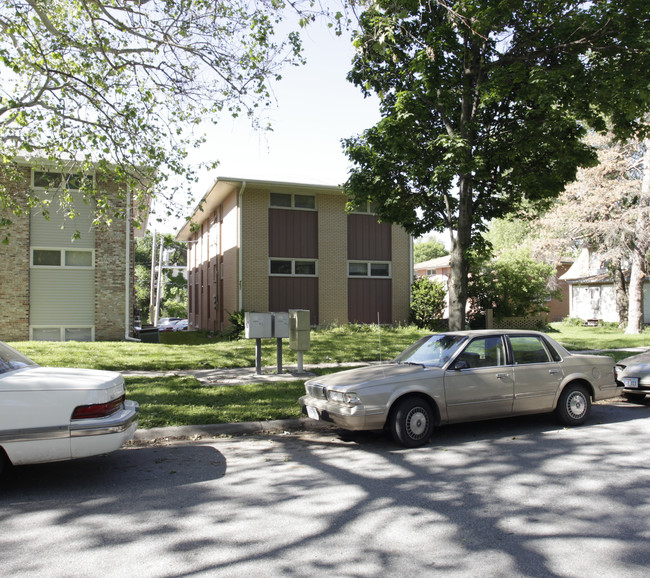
{"x":240,"y":275}
{"x":127,"y":284}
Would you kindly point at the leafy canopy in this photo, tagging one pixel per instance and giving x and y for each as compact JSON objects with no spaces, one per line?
{"x":122,"y":87}
{"x":484,"y":106}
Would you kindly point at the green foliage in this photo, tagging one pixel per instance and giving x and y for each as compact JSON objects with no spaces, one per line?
{"x":123,"y":87}
{"x":427,"y":250}
{"x":237,"y":323}
{"x":174,"y":285}
{"x":428,"y":301}
{"x":514,"y":285}
{"x":484,"y":108}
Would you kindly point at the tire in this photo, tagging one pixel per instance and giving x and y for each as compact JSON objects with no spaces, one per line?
{"x":634,"y":397}
{"x":4,"y":462}
{"x":411,"y":423}
{"x":574,"y":405}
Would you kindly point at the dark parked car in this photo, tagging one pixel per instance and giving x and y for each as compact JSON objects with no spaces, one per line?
{"x":463,"y":376}
{"x":633,"y":373}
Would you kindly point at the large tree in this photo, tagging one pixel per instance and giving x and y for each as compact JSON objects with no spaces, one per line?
{"x":607,"y":209}
{"x":481,"y":105}
{"x":123,"y":85}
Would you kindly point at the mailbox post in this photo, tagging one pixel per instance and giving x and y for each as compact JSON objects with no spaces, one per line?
{"x":299,"y":333}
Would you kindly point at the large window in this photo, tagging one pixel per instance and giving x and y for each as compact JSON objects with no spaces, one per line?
{"x":57,"y":180}
{"x":293,"y":267}
{"x":368,"y":269}
{"x":62,"y":333}
{"x":72,"y":258}
{"x":289,"y":201}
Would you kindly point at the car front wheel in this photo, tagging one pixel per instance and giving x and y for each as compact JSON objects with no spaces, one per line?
{"x":574,"y":405}
{"x":412,"y":422}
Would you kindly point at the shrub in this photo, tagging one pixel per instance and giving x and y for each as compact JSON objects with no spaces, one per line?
{"x":427,"y":303}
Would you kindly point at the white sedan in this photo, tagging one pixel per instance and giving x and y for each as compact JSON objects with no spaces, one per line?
{"x":49,"y":414}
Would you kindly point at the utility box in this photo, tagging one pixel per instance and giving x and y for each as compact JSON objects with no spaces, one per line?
{"x":258,"y":325}
{"x":281,"y":325}
{"x":299,"y":329}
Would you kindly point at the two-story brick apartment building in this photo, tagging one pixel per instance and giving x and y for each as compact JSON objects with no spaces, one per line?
{"x":274,"y":246}
{"x":55,"y":287}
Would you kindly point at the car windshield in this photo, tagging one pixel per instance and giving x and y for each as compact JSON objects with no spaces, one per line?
{"x":431,"y":351}
{"x":11,"y":360}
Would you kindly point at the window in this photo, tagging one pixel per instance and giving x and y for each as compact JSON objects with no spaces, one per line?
{"x":287,"y":201}
{"x":55,"y":180}
{"x":528,"y":349}
{"x":366,"y":207}
{"x":368,"y":269}
{"x":73,"y":258}
{"x":484,"y":352}
{"x":62,"y":334}
{"x":295,"y":267}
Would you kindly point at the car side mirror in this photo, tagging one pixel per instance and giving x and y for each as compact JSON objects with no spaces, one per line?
{"x":460,"y":364}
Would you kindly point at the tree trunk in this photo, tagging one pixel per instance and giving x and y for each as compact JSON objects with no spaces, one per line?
{"x":635,"y":313}
{"x":620,"y":286}
{"x":458,"y":259}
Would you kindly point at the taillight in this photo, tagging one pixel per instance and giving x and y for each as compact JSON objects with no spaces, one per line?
{"x":98,"y":409}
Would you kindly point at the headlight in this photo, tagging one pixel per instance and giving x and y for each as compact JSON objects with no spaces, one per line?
{"x":341,"y":397}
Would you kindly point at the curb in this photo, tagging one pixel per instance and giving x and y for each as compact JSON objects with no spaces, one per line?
{"x":228,"y":429}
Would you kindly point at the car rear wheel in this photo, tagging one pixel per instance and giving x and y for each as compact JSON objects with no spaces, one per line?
{"x":412,"y":422}
{"x":634,"y":397}
{"x":574,"y":405}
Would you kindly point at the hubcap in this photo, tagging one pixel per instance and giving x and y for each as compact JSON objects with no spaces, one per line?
{"x":576,"y":404}
{"x":416,"y":423}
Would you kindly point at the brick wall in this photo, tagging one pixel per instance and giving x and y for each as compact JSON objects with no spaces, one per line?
{"x":401,"y":273}
{"x":110,"y":280}
{"x":255,"y":250}
{"x":14,"y":273}
{"x":332,"y":259}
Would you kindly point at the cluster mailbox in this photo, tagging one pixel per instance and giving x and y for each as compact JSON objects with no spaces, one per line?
{"x":299,"y":329}
{"x":266,"y":325}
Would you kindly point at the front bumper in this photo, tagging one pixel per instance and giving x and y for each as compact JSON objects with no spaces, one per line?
{"x":353,"y":417}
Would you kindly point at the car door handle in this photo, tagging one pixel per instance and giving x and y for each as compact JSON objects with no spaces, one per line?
{"x":502,"y":376}
{"x":554,"y":371}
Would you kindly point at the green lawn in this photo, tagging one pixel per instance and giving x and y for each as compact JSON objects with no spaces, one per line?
{"x":166,"y":401}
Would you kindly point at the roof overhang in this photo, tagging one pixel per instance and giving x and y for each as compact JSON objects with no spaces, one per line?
{"x":223,"y":187}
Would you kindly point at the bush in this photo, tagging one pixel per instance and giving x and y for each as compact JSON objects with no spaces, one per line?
{"x":427,"y":303}
{"x":237,"y":324}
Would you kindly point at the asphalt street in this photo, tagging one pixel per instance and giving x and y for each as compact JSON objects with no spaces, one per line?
{"x":514,"y":497}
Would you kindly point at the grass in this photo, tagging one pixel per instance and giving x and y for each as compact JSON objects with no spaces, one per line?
{"x":169,"y":401}
{"x":580,"y":338}
{"x":196,"y":350}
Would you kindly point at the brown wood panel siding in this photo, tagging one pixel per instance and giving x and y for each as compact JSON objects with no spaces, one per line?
{"x":368,"y":240}
{"x":367,"y":297}
{"x":294,"y":293}
{"x":293,"y":234}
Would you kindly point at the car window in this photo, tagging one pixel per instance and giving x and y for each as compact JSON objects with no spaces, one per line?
{"x":431,"y":351}
{"x":484,"y":352}
{"x":10,"y":359}
{"x":528,"y":349}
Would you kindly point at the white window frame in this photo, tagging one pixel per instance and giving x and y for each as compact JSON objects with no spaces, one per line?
{"x":293,"y":202}
{"x":293,"y":267}
{"x":63,"y":251}
{"x":369,"y":274}
{"x":62,"y":330}
{"x":61,"y":175}
{"x":366,"y":208}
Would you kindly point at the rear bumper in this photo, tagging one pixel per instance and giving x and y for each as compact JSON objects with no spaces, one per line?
{"x":116,"y":423}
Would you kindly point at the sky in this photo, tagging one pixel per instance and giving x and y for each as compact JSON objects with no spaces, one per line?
{"x":315,"y":108}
